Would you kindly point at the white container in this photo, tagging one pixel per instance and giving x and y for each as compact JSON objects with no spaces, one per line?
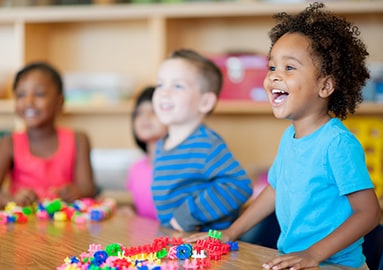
{"x":97,"y":87}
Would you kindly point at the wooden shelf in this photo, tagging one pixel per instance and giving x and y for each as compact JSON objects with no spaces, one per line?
{"x":6,"y":106}
{"x":232,"y":107}
{"x":172,"y":10}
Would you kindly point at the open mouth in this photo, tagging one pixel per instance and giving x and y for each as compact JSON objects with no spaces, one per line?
{"x":166,"y":106}
{"x":29,"y":113}
{"x":279,"y":95}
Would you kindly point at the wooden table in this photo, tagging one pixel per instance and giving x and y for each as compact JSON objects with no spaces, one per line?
{"x":45,"y":244}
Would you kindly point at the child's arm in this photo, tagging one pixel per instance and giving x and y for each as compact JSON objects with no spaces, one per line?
{"x":259,"y":208}
{"x":219,"y":199}
{"x":5,"y":164}
{"x":24,"y":196}
{"x":84,"y":185}
{"x":366,"y":215}
{"x":227,"y":189}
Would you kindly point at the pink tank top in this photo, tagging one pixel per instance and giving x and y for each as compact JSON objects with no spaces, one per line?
{"x":140,"y":178}
{"x":43,"y":175}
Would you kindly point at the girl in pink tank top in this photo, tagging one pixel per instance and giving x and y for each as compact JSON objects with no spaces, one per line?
{"x":44,"y":161}
{"x":44,"y":175}
{"x":147,"y":129}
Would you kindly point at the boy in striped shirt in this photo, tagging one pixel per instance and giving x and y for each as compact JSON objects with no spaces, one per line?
{"x":198,"y":185}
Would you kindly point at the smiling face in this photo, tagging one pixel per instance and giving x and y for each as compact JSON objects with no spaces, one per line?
{"x":293,"y":85}
{"x":37,"y":99}
{"x":178,"y":99}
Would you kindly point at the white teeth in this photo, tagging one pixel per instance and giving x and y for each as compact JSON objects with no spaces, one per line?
{"x":279,"y":95}
{"x":30,"y":113}
{"x":276,"y":91}
{"x":165,"y":106}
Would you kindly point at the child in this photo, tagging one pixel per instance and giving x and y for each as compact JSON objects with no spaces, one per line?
{"x":147,"y":130}
{"x":198,"y":185}
{"x":44,"y":161}
{"x":319,"y":184}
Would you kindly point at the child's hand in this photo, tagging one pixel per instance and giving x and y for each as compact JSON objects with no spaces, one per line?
{"x":69,"y":193}
{"x":203,"y":235}
{"x":195,"y":237}
{"x":25,"y":197}
{"x":292,"y":261}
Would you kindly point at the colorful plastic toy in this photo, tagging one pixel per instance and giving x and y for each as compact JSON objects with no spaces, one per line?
{"x":80,"y":212}
{"x":153,"y":256}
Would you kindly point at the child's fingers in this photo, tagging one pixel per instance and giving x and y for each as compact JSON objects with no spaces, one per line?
{"x":68,"y":193}
{"x":25,"y":197}
{"x":195,"y":237}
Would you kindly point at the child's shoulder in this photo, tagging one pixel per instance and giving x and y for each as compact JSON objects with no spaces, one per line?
{"x":334,"y":132}
{"x":203,"y":132}
{"x":80,"y":137}
{"x":80,"y":134}
{"x":77,"y":134}
{"x":6,"y":139}
{"x":336,"y":129}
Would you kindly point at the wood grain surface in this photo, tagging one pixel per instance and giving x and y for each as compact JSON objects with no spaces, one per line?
{"x":45,"y":244}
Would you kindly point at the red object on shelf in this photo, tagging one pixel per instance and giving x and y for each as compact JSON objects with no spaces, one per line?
{"x":243,"y":76}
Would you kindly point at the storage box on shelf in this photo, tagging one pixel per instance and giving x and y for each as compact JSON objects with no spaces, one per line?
{"x":134,"y":39}
{"x":243,"y":75}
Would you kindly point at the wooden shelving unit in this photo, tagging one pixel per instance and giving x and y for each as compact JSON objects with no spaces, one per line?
{"x":133,"y":39}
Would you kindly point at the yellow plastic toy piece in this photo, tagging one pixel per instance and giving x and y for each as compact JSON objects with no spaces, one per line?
{"x":10,"y":206}
{"x":369,"y":132}
{"x":59,"y":216}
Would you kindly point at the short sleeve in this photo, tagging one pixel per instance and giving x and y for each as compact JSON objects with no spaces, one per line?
{"x":347,"y":164}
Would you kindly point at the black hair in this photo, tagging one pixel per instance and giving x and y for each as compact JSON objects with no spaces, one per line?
{"x":336,"y":47}
{"x":146,"y":95}
{"x":44,"y":67}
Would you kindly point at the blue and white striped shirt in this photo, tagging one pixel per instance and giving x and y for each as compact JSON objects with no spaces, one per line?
{"x":199,"y":183}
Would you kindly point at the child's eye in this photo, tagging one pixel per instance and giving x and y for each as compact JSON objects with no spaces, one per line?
{"x":40,"y":94}
{"x":271,"y":68}
{"x":178,"y":86}
{"x":19,"y":94}
{"x":158,"y":85}
{"x":290,"y":68}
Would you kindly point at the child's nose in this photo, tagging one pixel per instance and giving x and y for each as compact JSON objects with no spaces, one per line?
{"x":165,"y":91}
{"x":29,"y":100}
{"x":275,"y":76}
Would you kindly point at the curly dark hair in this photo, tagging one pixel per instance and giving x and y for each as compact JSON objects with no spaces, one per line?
{"x":336,"y":47}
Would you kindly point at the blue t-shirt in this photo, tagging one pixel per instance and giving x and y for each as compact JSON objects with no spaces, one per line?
{"x":312,"y":176}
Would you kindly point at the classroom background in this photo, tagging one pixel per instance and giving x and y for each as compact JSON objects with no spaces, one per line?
{"x":107,"y":50}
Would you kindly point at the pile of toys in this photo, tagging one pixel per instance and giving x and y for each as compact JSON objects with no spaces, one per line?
{"x":80,"y":211}
{"x":162,"y":254}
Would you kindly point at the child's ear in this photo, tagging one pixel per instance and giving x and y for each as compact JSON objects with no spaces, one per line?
{"x":208,"y":102}
{"x":327,"y":88}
